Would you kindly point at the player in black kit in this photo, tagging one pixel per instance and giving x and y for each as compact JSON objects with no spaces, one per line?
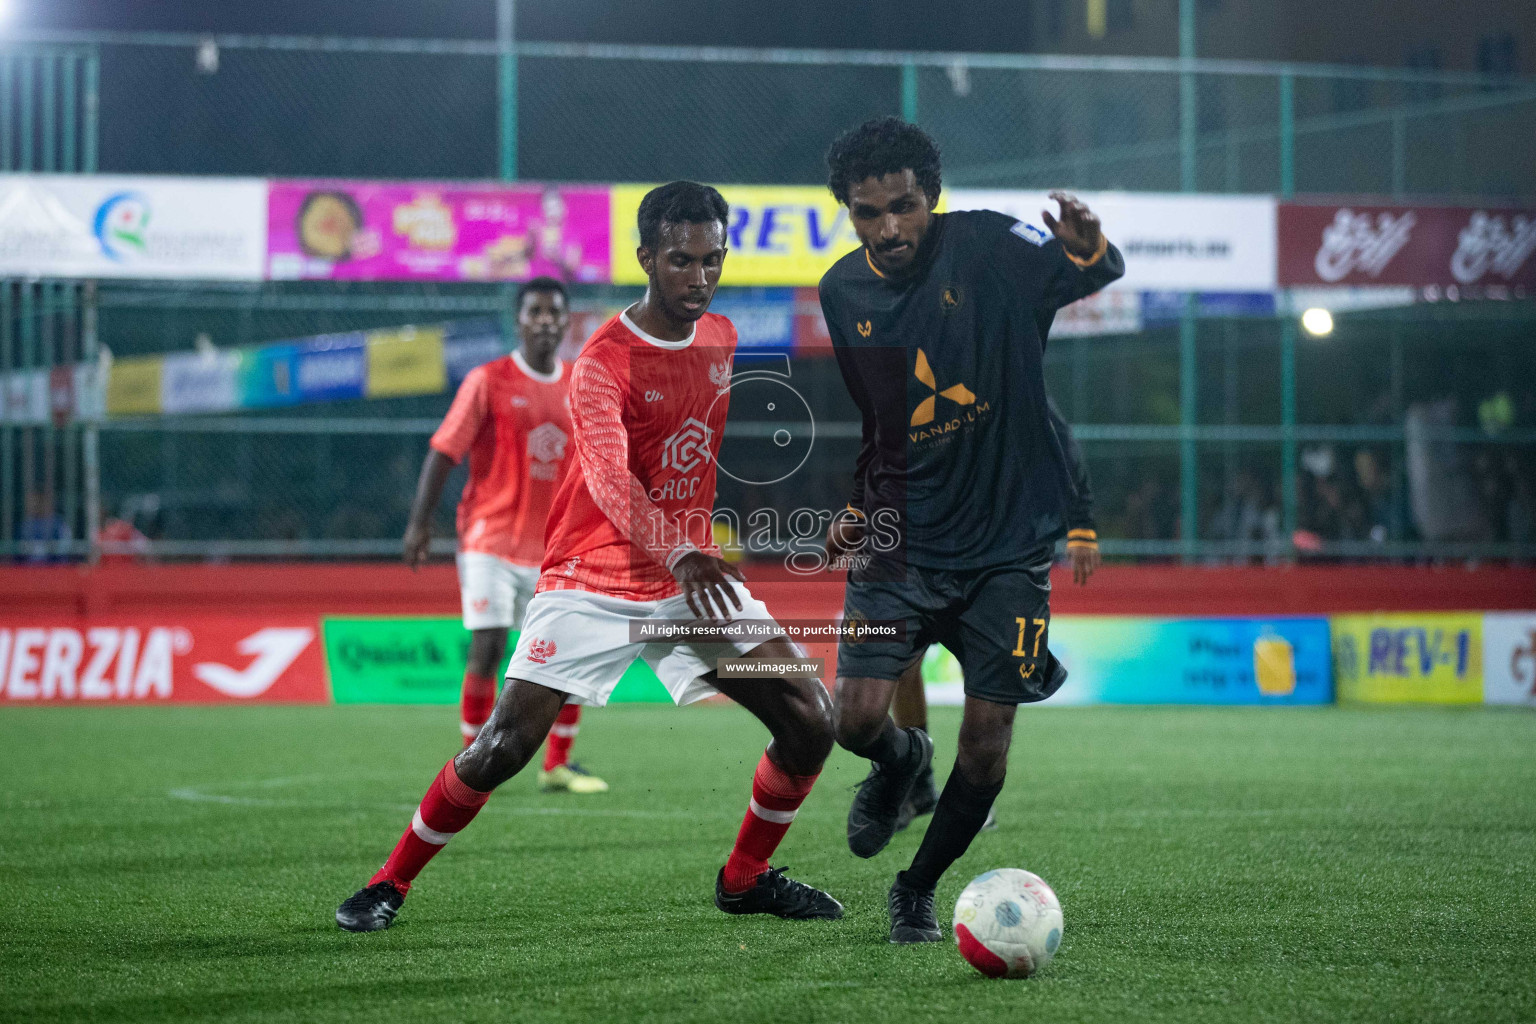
{"x":963,"y":483}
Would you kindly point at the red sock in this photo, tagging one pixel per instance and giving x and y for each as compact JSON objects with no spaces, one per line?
{"x":557,"y":749}
{"x":475,"y":703}
{"x":448,"y":806}
{"x":776,"y":796}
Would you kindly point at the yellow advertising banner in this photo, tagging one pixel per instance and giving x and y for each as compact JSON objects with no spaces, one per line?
{"x":778,"y":234}
{"x":133,"y":386}
{"x":406,"y":362}
{"x":1398,"y":658}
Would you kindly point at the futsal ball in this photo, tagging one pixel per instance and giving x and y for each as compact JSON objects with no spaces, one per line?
{"x":1008,"y":923}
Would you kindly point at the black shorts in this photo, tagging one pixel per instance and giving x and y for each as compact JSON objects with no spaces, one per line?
{"x":995,"y":621}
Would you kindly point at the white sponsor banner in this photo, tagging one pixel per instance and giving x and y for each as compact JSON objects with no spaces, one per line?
{"x":200,"y":382}
{"x":1509,"y":658}
{"x":104,"y":226}
{"x":24,"y":397}
{"x":1171,"y":241}
{"x":1107,"y":312}
{"x":34,"y":397}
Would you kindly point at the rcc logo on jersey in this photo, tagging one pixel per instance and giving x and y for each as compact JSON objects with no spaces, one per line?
{"x":688,"y":448}
{"x":546,"y":447}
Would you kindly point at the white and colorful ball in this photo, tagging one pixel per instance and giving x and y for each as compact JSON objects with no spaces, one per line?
{"x":1008,"y":923}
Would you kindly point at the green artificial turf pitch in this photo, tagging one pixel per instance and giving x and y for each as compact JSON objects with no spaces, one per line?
{"x":168,"y":864}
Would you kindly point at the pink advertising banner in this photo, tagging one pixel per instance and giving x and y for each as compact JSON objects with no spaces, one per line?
{"x":425,"y":231}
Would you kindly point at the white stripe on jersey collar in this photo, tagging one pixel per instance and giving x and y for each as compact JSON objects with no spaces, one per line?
{"x":542,"y":378}
{"x":651,"y":339}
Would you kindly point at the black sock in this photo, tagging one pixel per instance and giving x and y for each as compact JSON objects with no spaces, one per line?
{"x":889,"y":747}
{"x":959,"y":816}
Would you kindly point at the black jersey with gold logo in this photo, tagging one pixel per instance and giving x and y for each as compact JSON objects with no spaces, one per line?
{"x":961,"y":458}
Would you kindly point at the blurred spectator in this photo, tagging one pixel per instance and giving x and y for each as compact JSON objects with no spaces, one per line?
{"x":1521,"y":512}
{"x":120,"y":541}
{"x":1250,"y":515}
{"x":1375,"y":493}
{"x":1442,"y":490}
{"x":1151,"y":512}
{"x":43,"y":533}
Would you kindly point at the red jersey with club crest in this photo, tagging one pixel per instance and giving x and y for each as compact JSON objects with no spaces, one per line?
{"x":515,"y":425}
{"x":647,"y":418}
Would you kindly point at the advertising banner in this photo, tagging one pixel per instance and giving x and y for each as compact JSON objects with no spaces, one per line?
{"x":406,"y":362}
{"x":421,"y":661}
{"x":1413,"y":657}
{"x":24,"y":397}
{"x":192,"y":382}
{"x":331,"y":368}
{"x":1138,"y":660}
{"x":1421,"y":246}
{"x":1509,"y":658}
{"x":1171,"y":241}
{"x":764,"y":317}
{"x":430,"y":231}
{"x":108,"y":226}
{"x":133,"y":386}
{"x":778,"y":234}
{"x":173,"y":659}
{"x":468,"y":344}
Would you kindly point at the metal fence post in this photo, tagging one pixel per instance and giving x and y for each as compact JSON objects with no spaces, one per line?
{"x":1189,"y":414}
{"x":90,"y":432}
{"x":1288,"y":496}
{"x":1399,"y":155}
{"x":506,"y":66}
{"x":1189,"y":401}
{"x":1287,"y":134}
{"x":92,"y":111}
{"x":1288,"y":502}
{"x":1188,"y":108}
{"x":909,"y":92}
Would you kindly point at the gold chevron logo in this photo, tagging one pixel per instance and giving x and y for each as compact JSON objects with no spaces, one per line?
{"x":959,"y":393}
{"x":865,"y":328}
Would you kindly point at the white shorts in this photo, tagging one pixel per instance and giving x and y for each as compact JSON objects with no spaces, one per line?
{"x":578,"y":642}
{"x":494,"y":591}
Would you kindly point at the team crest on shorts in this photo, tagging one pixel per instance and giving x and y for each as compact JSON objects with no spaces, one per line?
{"x":541,"y":651}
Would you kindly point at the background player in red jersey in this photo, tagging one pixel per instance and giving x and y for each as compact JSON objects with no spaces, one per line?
{"x":512,"y":419}
{"x":629,"y":545}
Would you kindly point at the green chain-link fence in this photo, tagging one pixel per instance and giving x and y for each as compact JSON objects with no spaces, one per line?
{"x":1185,"y":430}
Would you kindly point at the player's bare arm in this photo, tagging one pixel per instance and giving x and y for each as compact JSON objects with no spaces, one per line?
{"x":429,"y":491}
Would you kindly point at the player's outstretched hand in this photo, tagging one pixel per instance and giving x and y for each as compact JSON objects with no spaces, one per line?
{"x":1078,"y":227}
{"x":1085,"y":562}
{"x":418,"y":541}
{"x":705,"y":586}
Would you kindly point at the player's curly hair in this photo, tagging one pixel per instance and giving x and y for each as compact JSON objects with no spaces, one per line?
{"x":880,"y":147}
{"x":679,"y":202}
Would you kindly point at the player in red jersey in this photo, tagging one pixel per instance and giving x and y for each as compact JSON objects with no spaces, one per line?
{"x":512,"y":419}
{"x":630,"y":546}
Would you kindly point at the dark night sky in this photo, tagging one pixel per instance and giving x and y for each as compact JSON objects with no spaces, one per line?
{"x":873,"y":24}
